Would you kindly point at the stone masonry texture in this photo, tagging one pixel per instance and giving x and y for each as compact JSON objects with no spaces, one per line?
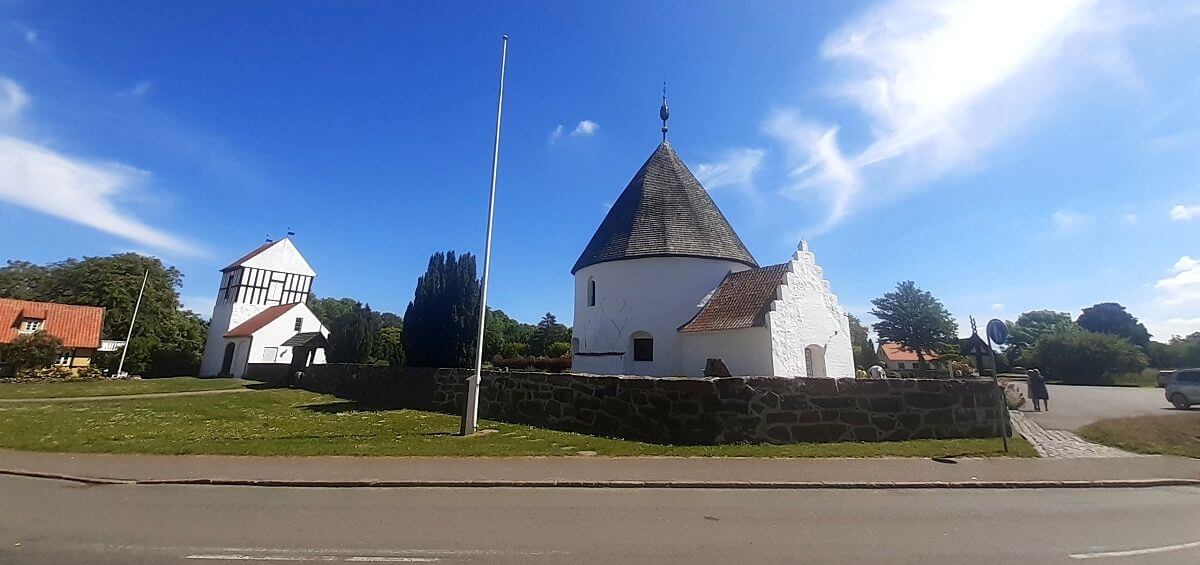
{"x":688,"y":411}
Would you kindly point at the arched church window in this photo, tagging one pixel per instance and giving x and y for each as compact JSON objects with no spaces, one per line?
{"x":643,"y":346}
{"x":591,"y":292}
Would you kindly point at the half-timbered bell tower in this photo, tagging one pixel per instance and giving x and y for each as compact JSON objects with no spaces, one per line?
{"x":274,"y":274}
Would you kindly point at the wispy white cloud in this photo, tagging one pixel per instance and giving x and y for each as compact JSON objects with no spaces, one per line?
{"x":1068,"y":221}
{"x":1183,"y":286}
{"x":1183,"y":213}
{"x":997,"y":307}
{"x":941,"y":84}
{"x":83,"y":191}
{"x":1176,"y":306}
{"x":585,"y":128}
{"x":1129,"y":218}
{"x":13,"y":99}
{"x":735,"y":169}
{"x":139,"y":89}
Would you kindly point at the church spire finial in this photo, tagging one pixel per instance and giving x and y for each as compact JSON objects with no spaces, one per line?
{"x":664,"y":112}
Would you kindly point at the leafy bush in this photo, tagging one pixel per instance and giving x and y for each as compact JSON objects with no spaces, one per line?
{"x":60,"y":373}
{"x":558,"y":349}
{"x":1081,"y":357}
{"x":32,"y":351}
{"x":548,"y":364}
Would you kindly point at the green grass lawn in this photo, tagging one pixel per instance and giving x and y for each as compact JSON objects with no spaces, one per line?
{"x":294,"y":422}
{"x":63,"y":389}
{"x":1168,"y":434}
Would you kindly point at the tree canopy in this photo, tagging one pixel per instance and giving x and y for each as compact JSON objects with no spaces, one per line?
{"x":1085,"y":357}
{"x":547,"y":333}
{"x":440,"y":322}
{"x":1112,"y":319}
{"x":915,"y":319}
{"x":863,"y":348}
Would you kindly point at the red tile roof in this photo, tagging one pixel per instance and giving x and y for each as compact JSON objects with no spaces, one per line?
{"x":76,"y":326}
{"x":260,"y":320}
{"x":897,"y":352}
{"x":741,"y":301}
{"x":250,"y":255}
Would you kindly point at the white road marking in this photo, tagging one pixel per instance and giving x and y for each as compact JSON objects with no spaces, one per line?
{"x":237,"y":557}
{"x":1132,"y":552}
{"x":344,"y":558}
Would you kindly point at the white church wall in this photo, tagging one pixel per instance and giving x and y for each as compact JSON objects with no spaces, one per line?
{"x":807,"y":313}
{"x":280,"y":330}
{"x":745,"y":352}
{"x":653,"y":294}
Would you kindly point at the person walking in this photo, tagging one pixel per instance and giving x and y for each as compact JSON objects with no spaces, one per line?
{"x":1037,"y":390}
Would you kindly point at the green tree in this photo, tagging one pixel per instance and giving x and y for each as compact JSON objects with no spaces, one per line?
{"x":440,"y":322}
{"x":389,"y":346}
{"x":1084,"y":357}
{"x":352,"y":335}
{"x":915,"y":319}
{"x":558,"y":349}
{"x":32,"y":351}
{"x":329,"y":309}
{"x":23,"y":280}
{"x":1112,"y":319}
{"x":1025,"y":333}
{"x":548,"y":331}
{"x":864,"y":350}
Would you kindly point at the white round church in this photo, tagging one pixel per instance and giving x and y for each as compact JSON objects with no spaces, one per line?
{"x":665,"y":284}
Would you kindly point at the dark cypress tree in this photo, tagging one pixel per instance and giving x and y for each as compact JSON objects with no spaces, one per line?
{"x":352,"y":335}
{"x":440,"y":322}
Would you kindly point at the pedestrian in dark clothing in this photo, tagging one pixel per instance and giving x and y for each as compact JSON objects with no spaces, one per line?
{"x":1037,"y":390}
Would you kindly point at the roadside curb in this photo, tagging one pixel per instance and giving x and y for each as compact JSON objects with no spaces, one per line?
{"x":622,"y":484}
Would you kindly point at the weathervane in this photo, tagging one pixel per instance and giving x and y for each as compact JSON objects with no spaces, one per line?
{"x":664,"y":112}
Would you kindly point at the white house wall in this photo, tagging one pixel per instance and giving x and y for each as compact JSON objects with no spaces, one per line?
{"x":280,"y":330}
{"x":807,"y":313}
{"x":745,"y":352}
{"x":653,"y":294}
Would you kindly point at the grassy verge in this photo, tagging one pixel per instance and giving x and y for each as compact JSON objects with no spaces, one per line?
{"x":294,"y":422}
{"x":1147,"y":379}
{"x":63,"y":389}
{"x":1169,"y":434}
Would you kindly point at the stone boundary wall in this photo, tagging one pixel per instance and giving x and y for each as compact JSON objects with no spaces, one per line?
{"x":689,"y":410}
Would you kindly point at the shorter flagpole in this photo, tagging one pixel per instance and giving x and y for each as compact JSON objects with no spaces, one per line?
{"x":129,"y":335}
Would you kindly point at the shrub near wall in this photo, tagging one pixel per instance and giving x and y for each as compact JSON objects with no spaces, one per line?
{"x":691,"y":411}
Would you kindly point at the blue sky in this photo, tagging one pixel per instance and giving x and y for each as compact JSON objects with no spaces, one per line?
{"x":1006,"y":156}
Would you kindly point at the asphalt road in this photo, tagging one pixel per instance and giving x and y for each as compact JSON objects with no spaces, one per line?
{"x":55,"y":522}
{"x":1072,"y":407}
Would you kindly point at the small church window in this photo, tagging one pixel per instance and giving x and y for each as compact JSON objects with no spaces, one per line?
{"x":591,"y":292}
{"x":299,"y":324}
{"x":643,"y":348}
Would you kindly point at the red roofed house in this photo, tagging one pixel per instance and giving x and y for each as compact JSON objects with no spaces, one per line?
{"x":77,"y":326}
{"x":260,"y":326}
{"x":900,"y":359}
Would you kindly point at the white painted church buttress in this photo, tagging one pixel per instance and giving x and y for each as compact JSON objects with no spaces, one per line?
{"x":260,"y":318}
{"x":666,"y":284}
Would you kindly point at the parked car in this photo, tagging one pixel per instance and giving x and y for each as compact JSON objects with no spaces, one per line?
{"x":1184,"y":390}
{"x":1164,"y":377}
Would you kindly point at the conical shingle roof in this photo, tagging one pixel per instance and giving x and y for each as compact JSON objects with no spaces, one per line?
{"x":664,"y":212}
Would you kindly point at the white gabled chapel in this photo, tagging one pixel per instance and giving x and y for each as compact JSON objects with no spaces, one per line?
{"x":665,"y":284}
{"x":260,"y":317}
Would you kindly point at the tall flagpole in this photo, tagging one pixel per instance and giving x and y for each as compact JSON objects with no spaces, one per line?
{"x":471,"y":414}
{"x":129,"y":336}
